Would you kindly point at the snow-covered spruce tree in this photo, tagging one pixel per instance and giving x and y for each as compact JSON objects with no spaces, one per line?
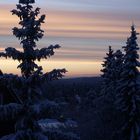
{"x":108,"y":71}
{"x":118,"y":64}
{"x":116,"y":71}
{"x":128,"y":96}
{"x":28,"y":110}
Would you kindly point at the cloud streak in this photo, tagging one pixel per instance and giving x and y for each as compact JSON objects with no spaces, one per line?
{"x":84,"y":29}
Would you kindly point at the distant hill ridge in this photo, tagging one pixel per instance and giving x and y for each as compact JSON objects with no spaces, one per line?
{"x":79,"y":80}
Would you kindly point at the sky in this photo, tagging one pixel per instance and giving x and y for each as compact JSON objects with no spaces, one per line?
{"x":83,"y":28}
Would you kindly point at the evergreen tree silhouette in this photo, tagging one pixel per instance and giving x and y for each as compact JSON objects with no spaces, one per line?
{"x":128,"y":98}
{"x":108,"y":71}
{"x":28,"y":109}
{"x":117,"y":69}
{"x":118,"y":64}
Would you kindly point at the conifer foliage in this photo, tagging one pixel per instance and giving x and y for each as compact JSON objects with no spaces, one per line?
{"x":128,"y":98}
{"x":122,"y":75}
{"x":118,"y":65}
{"x":28,"y":110}
{"x":108,"y":70}
{"x":116,"y":71}
{"x":29,"y":33}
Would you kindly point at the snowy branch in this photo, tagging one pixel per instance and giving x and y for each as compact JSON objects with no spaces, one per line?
{"x":12,"y":53}
{"x":54,"y":74}
{"x":58,"y":135}
{"x":45,"y":52}
{"x":24,"y":135}
{"x":45,"y":109}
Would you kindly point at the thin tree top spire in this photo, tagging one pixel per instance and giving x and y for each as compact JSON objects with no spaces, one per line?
{"x":26,"y":1}
{"x":133,"y":29}
{"x":110,"y":49}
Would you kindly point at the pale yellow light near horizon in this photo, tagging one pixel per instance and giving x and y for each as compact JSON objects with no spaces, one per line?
{"x":74,"y":68}
{"x":56,"y":24}
{"x":70,"y":24}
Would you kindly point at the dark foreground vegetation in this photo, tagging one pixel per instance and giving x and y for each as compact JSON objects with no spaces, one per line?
{"x":39,"y":106}
{"x":95,"y":113}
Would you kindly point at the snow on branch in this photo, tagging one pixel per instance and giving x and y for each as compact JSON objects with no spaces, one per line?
{"x":15,"y":54}
{"x":45,"y":52}
{"x":2,"y":54}
{"x":58,"y":135}
{"x":12,"y":53}
{"x":37,"y":54}
{"x":46,"y":124}
{"x":29,"y":135}
{"x":45,"y":109}
{"x":30,"y":23}
{"x":24,"y":135}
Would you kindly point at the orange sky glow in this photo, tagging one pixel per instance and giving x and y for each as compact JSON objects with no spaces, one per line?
{"x":83,"y":34}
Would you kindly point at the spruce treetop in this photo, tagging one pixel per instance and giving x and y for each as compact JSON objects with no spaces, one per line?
{"x":107,"y":65}
{"x":26,"y":1}
{"x":29,"y":33}
{"x":129,"y":88}
{"x":131,"y":55}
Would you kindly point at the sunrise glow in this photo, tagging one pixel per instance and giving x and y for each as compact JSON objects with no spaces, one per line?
{"x":84,"y":29}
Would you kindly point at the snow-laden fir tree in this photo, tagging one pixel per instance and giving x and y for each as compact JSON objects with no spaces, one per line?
{"x":128,"y":98}
{"x":108,"y":71}
{"x":118,"y":64}
{"x":116,"y":70}
{"x":28,"y":110}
